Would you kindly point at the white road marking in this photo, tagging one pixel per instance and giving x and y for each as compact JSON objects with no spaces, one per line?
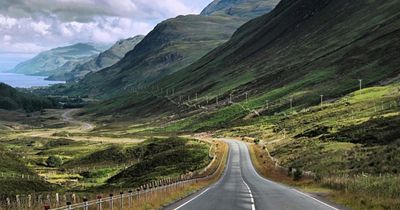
{"x":257,"y":174}
{"x":253,"y":206}
{"x":316,"y":199}
{"x":192,"y":199}
{"x":212,"y":186}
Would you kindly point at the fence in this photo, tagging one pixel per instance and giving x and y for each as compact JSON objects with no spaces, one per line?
{"x":122,"y":199}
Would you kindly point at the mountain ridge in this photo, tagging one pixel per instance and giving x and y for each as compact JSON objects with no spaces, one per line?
{"x":105,"y":59}
{"x":297,"y":51}
{"x":173,"y":44}
{"x":48,"y":62}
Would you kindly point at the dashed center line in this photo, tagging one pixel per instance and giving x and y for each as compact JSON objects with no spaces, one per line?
{"x":253,"y":206}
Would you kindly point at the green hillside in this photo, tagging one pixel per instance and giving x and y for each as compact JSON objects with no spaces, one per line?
{"x":172,"y":45}
{"x":59,"y":59}
{"x":12,"y":99}
{"x":163,"y":157}
{"x":16,"y":177}
{"x":298,"y":51}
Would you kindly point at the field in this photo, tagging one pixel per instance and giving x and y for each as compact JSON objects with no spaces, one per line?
{"x":56,"y":153}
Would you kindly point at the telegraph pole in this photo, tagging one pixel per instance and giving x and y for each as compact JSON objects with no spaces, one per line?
{"x":291,"y":104}
{"x":360,"y":80}
{"x":247,"y":96}
{"x":267,"y":104}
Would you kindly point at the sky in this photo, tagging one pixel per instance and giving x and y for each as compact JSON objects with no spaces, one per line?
{"x":28,"y":27}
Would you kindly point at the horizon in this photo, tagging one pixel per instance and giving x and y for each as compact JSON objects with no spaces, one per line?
{"x":63,"y":23}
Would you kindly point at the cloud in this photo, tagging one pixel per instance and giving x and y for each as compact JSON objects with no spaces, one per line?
{"x":31,"y":26}
{"x":88,"y":10}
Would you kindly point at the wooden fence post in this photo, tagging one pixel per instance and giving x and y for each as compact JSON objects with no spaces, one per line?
{"x":111,"y":202}
{"x":29,"y":201}
{"x":122,"y":199}
{"x":18,"y":201}
{"x":99,"y":203}
{"x":57,"y":199}
{"x":130,"y":198}
{"x":8,"y":202}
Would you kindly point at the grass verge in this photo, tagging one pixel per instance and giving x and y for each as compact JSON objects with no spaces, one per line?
{"x":357,"y":192}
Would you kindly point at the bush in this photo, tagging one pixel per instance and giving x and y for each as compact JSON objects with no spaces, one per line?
{"x":297,"y":175}
{"x":54,"y":161}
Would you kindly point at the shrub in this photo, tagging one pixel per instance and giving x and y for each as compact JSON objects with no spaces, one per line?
{"x":54,"y":161}
{"x":297,"y":174}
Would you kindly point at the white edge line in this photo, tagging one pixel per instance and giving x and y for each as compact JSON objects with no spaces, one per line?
{"x":315,"y":199}
{"x":263,"y":178}
{"x":192,"y":199}
{"x":223,"y":176}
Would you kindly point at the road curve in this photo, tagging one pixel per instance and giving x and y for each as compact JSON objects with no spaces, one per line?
{"x":67,"y":117}
{"x":241,"y":188}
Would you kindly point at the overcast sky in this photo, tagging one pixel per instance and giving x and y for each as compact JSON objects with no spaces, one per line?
{"x":28,"y":27}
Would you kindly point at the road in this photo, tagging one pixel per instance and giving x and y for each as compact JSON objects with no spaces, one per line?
{"x":67,"y":117}
{"x":241,"y":188}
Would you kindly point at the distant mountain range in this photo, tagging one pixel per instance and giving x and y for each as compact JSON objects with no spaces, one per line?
{"x":98,"y":62}
{"x":62,"y":59}
{"x":171,"y":46}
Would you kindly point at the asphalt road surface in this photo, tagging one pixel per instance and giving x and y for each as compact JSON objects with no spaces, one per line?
{"x":241,"y":188}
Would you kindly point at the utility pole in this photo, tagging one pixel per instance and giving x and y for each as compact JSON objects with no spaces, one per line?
{"x":247,"y":96}
{"x":267,"y":104}
{"x":216,"y":100}
{"x":291,"y":104}
{"x":196,"y":97}
{"x":360,"y":80}
{"x":322,"y":100}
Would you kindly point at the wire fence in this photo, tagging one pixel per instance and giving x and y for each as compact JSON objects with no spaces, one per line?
{"x":121,"y":199}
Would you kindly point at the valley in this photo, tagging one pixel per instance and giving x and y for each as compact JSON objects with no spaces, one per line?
{"x":248,"y":104}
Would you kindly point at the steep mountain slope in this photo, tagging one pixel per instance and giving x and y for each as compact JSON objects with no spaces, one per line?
{"x":103,"y":60}
{"x":11,"y":99}
{"x":301,"y":50}
{"x":58,"y":59}
{"x":172,"y":45}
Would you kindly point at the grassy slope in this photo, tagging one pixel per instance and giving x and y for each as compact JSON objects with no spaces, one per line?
{"x":48,"y":62}
{"x":172,"y":45}
{"x":351,"y":145}
{"x":301,"y":50}
{"x":163,"y":158}
{"x":11,"y":169}
{"x":12,"y":99}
